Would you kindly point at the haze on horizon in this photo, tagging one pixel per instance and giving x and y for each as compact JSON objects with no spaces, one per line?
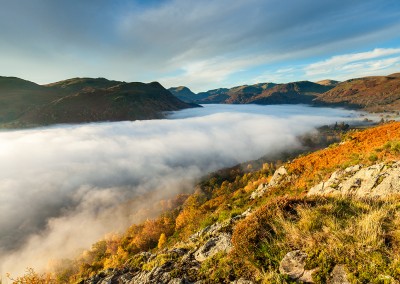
{"x":201,"y":44}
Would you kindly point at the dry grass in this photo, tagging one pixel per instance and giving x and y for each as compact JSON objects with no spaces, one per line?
{"x":363,"y":235}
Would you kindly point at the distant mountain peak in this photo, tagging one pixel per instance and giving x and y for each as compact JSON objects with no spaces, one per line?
{"x":328,"y":82}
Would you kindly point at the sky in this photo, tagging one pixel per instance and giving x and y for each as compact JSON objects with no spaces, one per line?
{"x":202,"y":44}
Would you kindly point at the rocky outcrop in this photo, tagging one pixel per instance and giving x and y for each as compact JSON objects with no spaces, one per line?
{"x":183,"y":260}
{"x":280,"y":175}
{"x":379,"y":180}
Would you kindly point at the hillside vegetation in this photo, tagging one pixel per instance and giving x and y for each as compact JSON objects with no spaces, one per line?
{"x":377,"y":93}
{"x":247,"y":223}
{"x":23,"y":103}
{"x":18,"y":96}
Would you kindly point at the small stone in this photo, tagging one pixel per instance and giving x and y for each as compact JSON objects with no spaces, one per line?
{"x":339,"y":275}
{"x":307,"y":276}
{"x":293,"y":264}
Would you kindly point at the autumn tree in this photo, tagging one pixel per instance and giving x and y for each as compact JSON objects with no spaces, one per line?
{"x":161,"y":241}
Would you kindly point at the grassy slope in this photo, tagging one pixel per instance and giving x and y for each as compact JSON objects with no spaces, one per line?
{"x":18,"y":96}
{"x":126,"y":101}
{"x":362,"y":234}
{"x":77,"y":84}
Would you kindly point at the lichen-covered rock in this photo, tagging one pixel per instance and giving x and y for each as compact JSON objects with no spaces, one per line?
{"x":378,"y":180}
{"x":280,"y":175}
{"x":292,"y":265}
{"x":260,"y":190}
{"x":219,"y":243}
{"x":159,"y":274}
{"x":208,"y":231}
{"x":338,"y":275}
{"x":125,"y":278}
{"x":112,"y":279}
{"x":218,"y":227}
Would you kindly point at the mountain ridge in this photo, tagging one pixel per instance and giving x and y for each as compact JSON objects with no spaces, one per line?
{"x":260,"y":93}
{"x":371,"y":93}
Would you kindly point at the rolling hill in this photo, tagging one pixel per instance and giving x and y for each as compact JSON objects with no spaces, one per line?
{"x":78,"y":84}
{"x":126,"y":101}
{"x":377,"y":93}
{"x":23,"y":103}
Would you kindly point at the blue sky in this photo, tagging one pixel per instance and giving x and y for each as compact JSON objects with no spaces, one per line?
{"x":202,"y":44}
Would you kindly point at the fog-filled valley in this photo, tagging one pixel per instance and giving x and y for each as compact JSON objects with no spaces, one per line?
{"x":66,"y":186}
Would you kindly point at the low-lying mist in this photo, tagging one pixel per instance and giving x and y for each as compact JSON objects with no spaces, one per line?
{"x":64,"y":187}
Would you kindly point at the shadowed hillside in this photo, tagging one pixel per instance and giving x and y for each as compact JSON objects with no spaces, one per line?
{"x":126,"y":101}
{"x":23,"y":103}
{"x":185,"y":94}
{"x":18,"y":96}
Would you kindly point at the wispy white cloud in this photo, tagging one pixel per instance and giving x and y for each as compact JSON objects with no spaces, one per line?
{"x":379,"y":61}
{"x":210,"y":72}
{"x":204,"y":43}
{"x":349,"y":63}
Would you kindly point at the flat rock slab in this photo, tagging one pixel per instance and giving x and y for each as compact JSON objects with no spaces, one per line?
{"x":378,"y":180}
{"x":214,"y":245}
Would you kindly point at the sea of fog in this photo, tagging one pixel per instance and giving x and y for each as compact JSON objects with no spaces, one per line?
{"x":66,"y":186}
